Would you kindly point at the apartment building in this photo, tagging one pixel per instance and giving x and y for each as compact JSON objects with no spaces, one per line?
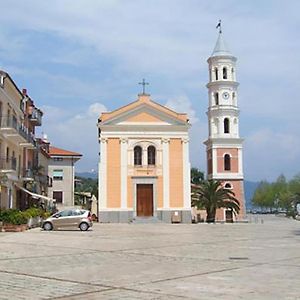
{"x":21,"y":181}
{"x":61,"y":168}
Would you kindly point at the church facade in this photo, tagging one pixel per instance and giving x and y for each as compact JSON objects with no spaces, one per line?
{"x":144,"y":167}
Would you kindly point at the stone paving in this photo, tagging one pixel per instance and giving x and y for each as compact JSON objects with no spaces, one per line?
{"x":259,"y":260}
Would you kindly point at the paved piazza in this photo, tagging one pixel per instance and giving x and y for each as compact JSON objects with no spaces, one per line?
{"x":155,"y":261}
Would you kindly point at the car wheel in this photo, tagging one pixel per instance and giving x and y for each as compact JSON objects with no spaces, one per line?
{"x":83,"y":226}
{"x":47,"y":226}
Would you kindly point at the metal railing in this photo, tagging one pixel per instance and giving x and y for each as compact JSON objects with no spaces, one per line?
{"x":12,"y":122}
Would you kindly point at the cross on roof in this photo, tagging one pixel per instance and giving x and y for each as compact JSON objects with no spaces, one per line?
{"x":143,"y":83}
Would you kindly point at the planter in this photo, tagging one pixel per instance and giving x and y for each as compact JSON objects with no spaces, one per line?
{"x":14,"y":228}
{"x":34,"y":222}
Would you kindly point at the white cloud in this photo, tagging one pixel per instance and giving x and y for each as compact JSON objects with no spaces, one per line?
{"x":267,"y":153}
{"x":182,"y":104}
{"x":75,"y":132}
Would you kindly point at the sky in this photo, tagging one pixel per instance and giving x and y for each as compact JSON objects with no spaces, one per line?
{"x":80,"y":58}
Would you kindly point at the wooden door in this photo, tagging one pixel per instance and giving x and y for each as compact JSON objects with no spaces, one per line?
{"x":144,"y":200}
{"x":229,"y":216}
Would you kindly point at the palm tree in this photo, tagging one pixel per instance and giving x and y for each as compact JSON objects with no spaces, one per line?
{"x":210,"y":195}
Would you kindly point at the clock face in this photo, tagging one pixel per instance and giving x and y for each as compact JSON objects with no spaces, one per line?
{"x":225,"y":95}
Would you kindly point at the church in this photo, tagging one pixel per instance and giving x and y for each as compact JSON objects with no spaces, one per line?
{"x":144,"y":165}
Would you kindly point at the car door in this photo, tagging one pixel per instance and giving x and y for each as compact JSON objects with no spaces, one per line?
{"x":63,"y":219}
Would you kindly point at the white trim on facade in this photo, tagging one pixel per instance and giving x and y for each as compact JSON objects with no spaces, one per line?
{"x":102,"y":174}
{"x":186,"y":174}
{"x":124,"y":163}
{"x":166,"y":171}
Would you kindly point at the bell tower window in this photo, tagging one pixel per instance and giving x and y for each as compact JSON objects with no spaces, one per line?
{"x":226,"y":125}
{"x":137,"y":156}
{"x":216,"y":73}
{"x":227,"y":162}
{"x":217,"y":98}
{"x":224,"y":73}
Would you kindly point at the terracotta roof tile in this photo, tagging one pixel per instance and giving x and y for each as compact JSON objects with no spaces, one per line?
{"x":53,"y":151}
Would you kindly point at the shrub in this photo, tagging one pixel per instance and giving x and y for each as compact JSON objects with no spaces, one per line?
{"x":33,"y":212}
{"x":13,"y":216}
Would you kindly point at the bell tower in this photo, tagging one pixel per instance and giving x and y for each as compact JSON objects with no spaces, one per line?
{"x":224,"y":146}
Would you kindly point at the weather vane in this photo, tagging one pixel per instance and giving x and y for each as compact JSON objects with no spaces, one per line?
{"x":219,"y":25}
{"x":144,"y":83}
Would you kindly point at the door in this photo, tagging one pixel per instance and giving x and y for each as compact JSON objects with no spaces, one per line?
{"x":144,"y":200}
{"x":229,"y":216}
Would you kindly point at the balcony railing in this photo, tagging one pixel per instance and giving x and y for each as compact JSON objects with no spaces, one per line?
{"x":8,"y":164}
{"x":36,"y":116}
{"x":11,"y":123}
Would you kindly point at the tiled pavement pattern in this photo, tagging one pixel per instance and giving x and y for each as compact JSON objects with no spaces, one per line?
{"x":154,"y":261}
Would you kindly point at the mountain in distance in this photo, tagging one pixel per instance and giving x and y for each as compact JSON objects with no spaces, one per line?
{"x":92,"y":175}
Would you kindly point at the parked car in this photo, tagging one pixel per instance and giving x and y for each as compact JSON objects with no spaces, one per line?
{"x":69,"y":219}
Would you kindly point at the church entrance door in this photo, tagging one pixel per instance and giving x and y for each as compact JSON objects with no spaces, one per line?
{"x":144,"y":206}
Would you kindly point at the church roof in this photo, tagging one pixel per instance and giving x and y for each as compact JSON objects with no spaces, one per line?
{"x":221,"y":48}
{"x":143,"y":99}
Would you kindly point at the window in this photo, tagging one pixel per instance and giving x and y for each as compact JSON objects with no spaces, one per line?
{"x":58,"y":159}
{"x":137,"y":156}
{"x":217,"y":98}
{"x":58,"y":174}
{"x":226,"y":125}
{"x":151,"y":155}
{"x":232,"y":74}
{"x":227,"y":163}
{"x":224,"y":73}
{"x":58,"y":196}
{"x":228,"y":186}
{"x":216,"y":73}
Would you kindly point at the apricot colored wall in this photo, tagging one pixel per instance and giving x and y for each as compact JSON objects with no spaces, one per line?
{"x":129,"y":192}
{"x":113,"y":173}
{"x":143,"y":117}
{"x":176,"y":173}
{"x":234,"y":160}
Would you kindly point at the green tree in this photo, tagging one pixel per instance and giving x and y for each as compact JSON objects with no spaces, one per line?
{"x":264,"y":195}
{"x":211,"y":195}
{"x":196,"y":176}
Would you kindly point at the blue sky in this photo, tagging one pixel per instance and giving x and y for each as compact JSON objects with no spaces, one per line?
{"x":79,"y":58}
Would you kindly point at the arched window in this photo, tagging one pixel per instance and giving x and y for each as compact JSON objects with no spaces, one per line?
{"x":233,"y":98}
{"x":224,"y":73}
{"x":217,"y":98}
{"x":226,"y":125}
{"x":228,"y":185}
{"x":227,"y":164}
{"x":151,"y":155}
{"x":216,"y":73}
{"x":232,"y":74}
{"x":137,"y":156}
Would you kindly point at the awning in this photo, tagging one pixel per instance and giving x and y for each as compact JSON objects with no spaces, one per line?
{"x":36,"y":196}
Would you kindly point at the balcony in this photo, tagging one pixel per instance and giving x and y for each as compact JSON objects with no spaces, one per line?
{"x":27,"y":175}
{"x":35,"y":116}
{"x":8,"y":165}
{"x":16,"y":132}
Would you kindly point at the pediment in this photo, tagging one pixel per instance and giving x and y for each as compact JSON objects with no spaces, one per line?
{"x":144,"y":114}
